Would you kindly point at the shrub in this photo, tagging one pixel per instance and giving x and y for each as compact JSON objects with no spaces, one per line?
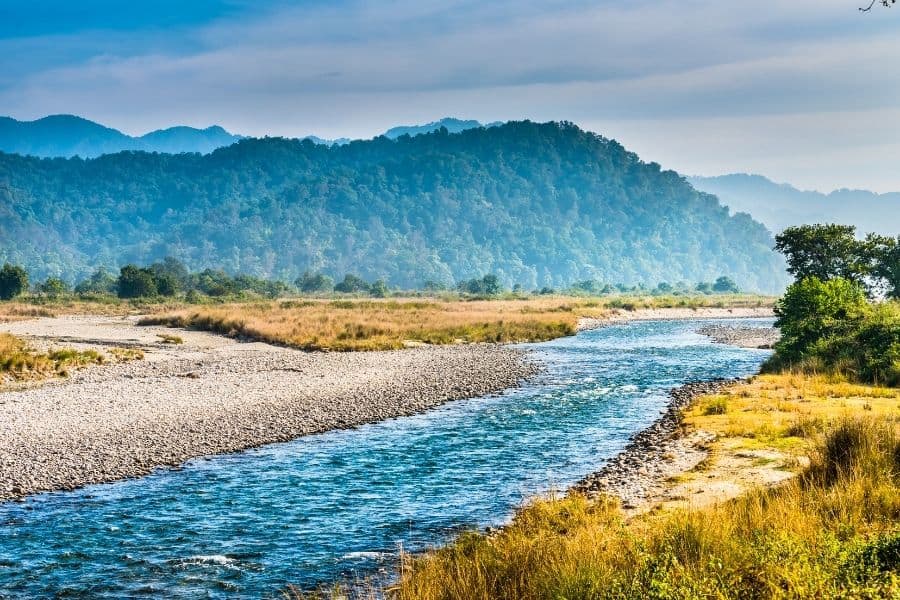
{"x":351,"y":285}
{"x":13,"y":281}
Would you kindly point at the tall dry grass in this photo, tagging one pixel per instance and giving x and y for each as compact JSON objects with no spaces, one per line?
{"x":18,"y":361}
{"x":318,"y":324}
{"x":832,"y":532}
{"x":383,"y":325}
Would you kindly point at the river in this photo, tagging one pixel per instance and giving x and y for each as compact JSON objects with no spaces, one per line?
{"x":339,"y":505}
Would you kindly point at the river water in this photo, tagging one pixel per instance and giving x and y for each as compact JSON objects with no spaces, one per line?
{"x":340,"y":505}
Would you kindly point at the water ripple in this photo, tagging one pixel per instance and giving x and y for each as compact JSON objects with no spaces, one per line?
{"x":341,"y":503}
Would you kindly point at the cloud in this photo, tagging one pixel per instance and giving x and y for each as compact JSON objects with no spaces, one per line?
{"x":354,"y":68}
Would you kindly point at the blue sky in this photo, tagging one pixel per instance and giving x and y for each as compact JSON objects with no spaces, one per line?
{"x":803,"y":91}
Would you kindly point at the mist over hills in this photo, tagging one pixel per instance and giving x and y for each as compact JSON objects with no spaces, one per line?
{"x":537,"y":204}
{"x":780,"y":205}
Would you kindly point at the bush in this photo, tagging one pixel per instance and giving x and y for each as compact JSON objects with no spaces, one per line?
{"x":813,"y":313}
{"x":13,"y":281}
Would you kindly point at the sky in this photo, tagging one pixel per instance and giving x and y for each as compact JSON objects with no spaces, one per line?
{"x":806,"y":91}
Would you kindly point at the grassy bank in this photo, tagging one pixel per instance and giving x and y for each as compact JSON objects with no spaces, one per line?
{"x":349,"y":324}
{"x":832,"y":531}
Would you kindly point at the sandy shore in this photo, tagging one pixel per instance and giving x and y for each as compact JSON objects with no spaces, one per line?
{"x":212,"y":395}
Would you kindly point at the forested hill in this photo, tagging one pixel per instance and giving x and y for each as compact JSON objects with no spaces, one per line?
{"x":537,"y":204}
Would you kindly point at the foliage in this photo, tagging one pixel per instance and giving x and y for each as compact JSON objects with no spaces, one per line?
{"x":100,"y":282}
{"x":812,"y":313}
{"x":54,"y":287}
{"x":13,"y":281}
{"x":135,"y":282}
{"x":351,"y":284}
{"x":314,"y":282}
{"x":830,"y":533}
{"x":823,"y":251}
{"x":725,"y":285}
{"x":885,"y":257}
{"x":489,"y":285}
{"x":542,"y":205}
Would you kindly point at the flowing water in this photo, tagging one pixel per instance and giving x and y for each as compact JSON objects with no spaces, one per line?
{"x":340,"y":504}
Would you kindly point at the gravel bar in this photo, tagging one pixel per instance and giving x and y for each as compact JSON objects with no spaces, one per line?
{"x":125,"y":420}
{"x":638,"y":473}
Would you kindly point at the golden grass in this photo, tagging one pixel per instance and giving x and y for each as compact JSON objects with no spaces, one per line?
{"x":20,"y":362}
{"x":317,"y":324}
{"x":813,"y":537}
{"x":834,"y":531}
{"x":383,"y":324}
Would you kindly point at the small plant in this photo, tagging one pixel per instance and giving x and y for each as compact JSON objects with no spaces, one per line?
{"x":127,"y":354}
{"x":716,"y":406}
{"x":166,"y":338}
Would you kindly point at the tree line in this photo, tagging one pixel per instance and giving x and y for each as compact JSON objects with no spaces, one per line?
{"x":170,"y":278}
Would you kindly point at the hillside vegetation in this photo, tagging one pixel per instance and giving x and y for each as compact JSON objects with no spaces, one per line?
{"x":536,"y":204}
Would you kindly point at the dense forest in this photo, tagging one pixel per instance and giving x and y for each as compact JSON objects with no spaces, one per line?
{"x":535,"y":204}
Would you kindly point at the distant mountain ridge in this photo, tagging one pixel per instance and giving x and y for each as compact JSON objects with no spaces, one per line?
{"x":779,"y":205}
{"x":540,"y":205}
{"x":68,"y":135}
{"x":451,"y":124}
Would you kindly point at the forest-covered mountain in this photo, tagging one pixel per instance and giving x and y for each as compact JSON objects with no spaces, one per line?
{"x":537,"y":204}
{"x":779,"y":205}
{"x":68,"y":135}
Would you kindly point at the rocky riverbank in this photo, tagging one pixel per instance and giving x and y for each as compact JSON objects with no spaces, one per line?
{"x":211,"y":395}
{"x":638,"y":473}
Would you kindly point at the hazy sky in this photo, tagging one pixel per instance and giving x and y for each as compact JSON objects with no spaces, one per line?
{"x":804,"y":91}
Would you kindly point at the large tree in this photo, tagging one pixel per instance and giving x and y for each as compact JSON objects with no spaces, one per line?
{"x":824,"y":251}
{"x":13,"y":281}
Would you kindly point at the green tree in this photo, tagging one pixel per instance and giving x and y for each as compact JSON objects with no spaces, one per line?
{"x":725,"y":285}
{"x":311,"y":283}
{"x":824,"y":252}
{"x":100,"y":282}
{"x":166,"y":284}
{"x":135,"y":282}
{"x":13,"y":281}
{"x":378,"y":289}
{"x":351,"y":285}
{"x":885,"y":254}
{"x":813,"y":313}
{"x":54,"y":287}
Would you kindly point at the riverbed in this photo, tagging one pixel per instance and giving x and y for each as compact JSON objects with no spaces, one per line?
{"x":343,"y":503}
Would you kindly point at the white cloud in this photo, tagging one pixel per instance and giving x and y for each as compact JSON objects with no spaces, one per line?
{"x":750,"y":73}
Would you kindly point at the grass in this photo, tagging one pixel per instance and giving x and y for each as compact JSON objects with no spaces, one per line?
{"x":832,"y":532}
{"x":345,"y":324}
{"x":166,"y":338}
{"x":20,"y":362}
